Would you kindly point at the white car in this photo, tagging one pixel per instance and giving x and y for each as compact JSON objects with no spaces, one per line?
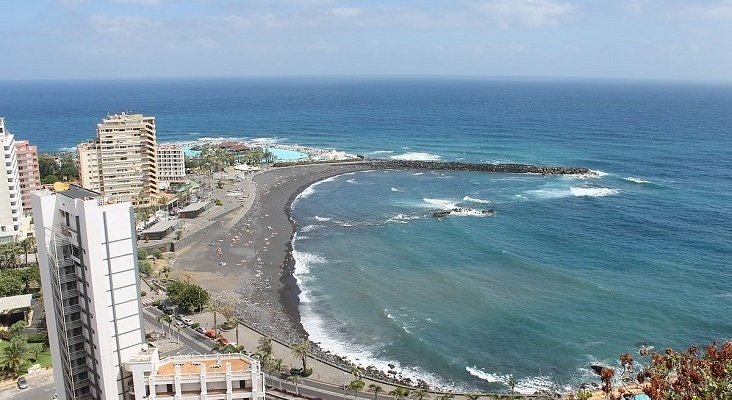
{"x":187,"y":321}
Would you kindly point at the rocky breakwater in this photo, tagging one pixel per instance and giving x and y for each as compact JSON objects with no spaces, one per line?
{"x":497,"y":168}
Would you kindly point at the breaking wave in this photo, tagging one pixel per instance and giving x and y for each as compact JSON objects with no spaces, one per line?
{"x":636,"y":180}
{"x":417,"y":156}
{"x":475,"y":200}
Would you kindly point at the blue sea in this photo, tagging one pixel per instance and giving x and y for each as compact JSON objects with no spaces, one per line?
{"x":568,"y":272}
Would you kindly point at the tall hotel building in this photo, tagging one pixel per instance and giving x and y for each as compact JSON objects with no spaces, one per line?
{"x":171,"y":165}
{"x":28,"y":172}
{"x":121,"y":163}
{"x":11,"y":202}
{"x":87,"y":255}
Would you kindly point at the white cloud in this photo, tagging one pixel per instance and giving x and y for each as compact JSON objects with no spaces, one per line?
{"x":139,"y":2}
{"x":346,"y":12}
{"x":532,"y":13}
{"x":719,"y":11}
{"x":124,"y":25}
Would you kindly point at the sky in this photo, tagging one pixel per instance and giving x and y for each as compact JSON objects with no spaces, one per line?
{"x":616,"y":39}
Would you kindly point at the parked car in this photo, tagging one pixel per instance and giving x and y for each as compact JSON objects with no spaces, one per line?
{"x":187,"y":321}
{"x":200,"y":330}
{"x":178,"y":317}
{"x":210,"y":333}
{"x":22,"y":383}
{"x":223,"y":341}
{"x":168,"y":311}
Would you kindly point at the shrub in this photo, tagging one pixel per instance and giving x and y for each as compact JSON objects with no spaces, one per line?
{"x":158,"y":254}
{"x":195,"y":325}
{"x":218,"y":202}
{"x":141,"y":254}
{"x":307,"y":372}
{"x":143,"y":293}
{"x":156,"y":303}
{"x":37,"y":338}
{"x":144,"y":267}
{"x":5,"y":335}
{"x":178,"y":234}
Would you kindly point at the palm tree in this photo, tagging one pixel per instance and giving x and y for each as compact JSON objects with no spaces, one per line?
{"x":375,"y":389}
{"x":302,"y":350}
{"x":215,"y":307}
{"x":399,"y":393}
{"x":446,"y":396}
{"x":295,"y":379}
{"x":265,"y":346}
{"x":29,"y":246}
{"x":14,"y":355}
{"x":163,"y":318}
{"x":512,"y":382}
{"x":356,"y":385}
{"x":420,"y":394}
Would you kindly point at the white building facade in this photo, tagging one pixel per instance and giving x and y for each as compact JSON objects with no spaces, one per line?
{"x":195,"y":377}
{"x":11,"y":203}
{"x":171,"y":165}
{"x":121,"y":163}
{"x":88,"y":265}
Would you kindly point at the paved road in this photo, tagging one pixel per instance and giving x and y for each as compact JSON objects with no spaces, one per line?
{"x":37,"y":390}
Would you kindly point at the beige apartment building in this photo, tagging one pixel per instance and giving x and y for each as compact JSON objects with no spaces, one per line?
{"x":30,"y":177}
{"x":171,"y":165}
{"x":121,"y":163}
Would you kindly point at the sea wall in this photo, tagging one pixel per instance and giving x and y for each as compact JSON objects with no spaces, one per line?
{"x":458,"y":166}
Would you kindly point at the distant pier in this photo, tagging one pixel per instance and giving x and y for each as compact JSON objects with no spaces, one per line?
{"x":458,"y":166}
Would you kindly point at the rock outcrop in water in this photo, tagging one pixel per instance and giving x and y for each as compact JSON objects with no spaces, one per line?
{"x":458,"y":166}
{"x":462,"y":210}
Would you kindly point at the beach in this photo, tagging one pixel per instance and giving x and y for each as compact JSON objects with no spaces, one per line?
{"x":253,"y":270}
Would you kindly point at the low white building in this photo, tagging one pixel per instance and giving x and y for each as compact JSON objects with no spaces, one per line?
{"x":194,"y":377}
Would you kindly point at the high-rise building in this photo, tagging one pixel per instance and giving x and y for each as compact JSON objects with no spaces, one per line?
{"x":121,"y":163}
{"x":29,"y":175}
{"x":11,"y":202}
{"x":171,"y":164}
{"x":87,"y":255}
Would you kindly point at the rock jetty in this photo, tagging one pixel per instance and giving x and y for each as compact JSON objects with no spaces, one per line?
{"x":459,"y":210}
{"x":458,"y":166}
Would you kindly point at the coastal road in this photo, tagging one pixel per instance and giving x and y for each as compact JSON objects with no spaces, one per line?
{"x":37,"y":390}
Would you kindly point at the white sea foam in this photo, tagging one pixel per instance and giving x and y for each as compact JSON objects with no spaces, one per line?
{"x":395,"y":190}
{"x":528,"y":385}
{"x":598,"y":172}
{"x":593,"y":191}
{"x":441,"y":203}
{"x":311,"y":189}
{"x":265,"y":140}
{"x":402,"y":218}
{"x":193,"y":133}
{"x":417,"y":156}
{"x":476,"y":200}
{"x":636,"y":180}
{"x":321,"y":219}
{"x":303,"y":262}
{"x":351,"y":180}
{"x":327,"y":336}
{"x":308,"y":228}
{"x":418,"y":173}
{"x":382,"y":152}
{"x":555,"y":193}
{"x":471,"y":213}
{"x":488,"y":377}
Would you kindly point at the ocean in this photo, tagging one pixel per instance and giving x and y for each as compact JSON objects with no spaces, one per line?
{"x":568,"y":272}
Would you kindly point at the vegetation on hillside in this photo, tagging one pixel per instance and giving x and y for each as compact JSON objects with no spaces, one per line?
{"x":57,"y":167}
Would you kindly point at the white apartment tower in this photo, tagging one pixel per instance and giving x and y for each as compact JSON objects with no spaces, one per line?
{"x":121,"y":163}
{"x":171,"y":164}
{"x":88,"y":263}
{"x":11,"y":203}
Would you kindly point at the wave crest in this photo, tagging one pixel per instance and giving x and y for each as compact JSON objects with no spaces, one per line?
{"x":417,"y":156}
{"x":593,"y":192}
{"x":636,"y":180}
{"x":476,"y":200}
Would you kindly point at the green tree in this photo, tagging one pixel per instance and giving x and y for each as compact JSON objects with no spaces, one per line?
{"x":193,"y":297}
{"x":420,"y":394}
{"x":356,"y":385}
{"x":296,"y":380}
{"x":302,"y":351}
{"x":10,"y":284}
{"x":265,"y":346}
{"x":375,"y":389}
{"x":29,"y":247}
{"x":14,"y":355}
{"x":399,"y":393}
{"x":16,"y":329}
{"x":144,"y":267}
{"x":163,"y":319}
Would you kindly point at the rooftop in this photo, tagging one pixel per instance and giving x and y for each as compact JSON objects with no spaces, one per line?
{"x":212,"y":363}
{"x":162,"y":226}
{"x":194,"y":207}
{"x":78,"y":192}
{"x":15,"y":302}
